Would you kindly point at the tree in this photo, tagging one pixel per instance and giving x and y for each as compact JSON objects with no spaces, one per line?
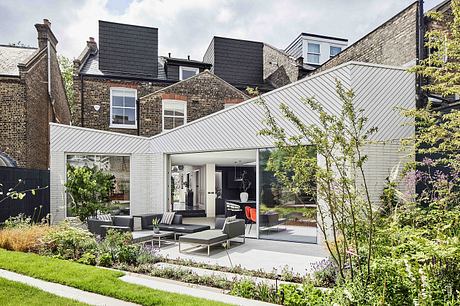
{"x":89,"y":190}
{"x":339,"y":176}
{"x":441,"y":68}
{"x":67,"y":75}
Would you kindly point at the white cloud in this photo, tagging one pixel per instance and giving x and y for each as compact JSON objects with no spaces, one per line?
{"x":186,"y":27}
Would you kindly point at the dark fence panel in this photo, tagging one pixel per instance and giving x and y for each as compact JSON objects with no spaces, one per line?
{"x":30,"y":204}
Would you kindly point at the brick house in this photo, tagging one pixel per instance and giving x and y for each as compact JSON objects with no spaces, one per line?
{"x":32,"y":94}
{"x":111,"y":79}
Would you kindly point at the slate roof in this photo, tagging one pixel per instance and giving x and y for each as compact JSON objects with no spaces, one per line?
{"x":11,"y":56}
{"x":91,"y":66}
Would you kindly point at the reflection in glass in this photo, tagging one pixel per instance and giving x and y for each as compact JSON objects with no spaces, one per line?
{"x":284,"y":215}
{"x":118,"y":166}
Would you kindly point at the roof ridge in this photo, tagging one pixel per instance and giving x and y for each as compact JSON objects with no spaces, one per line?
{"x":19,"y":47}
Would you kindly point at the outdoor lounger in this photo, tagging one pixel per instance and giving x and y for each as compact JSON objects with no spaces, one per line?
{"x":229,"y":230}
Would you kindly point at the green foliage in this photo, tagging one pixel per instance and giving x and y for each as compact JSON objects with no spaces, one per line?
{"x":120,"y":247}
{"x":19,"y":221}
{"x":105,"y":260}
{"x":305,"y":295}
{"x":88,"y":259}
{"x":69,"y":242}
{"x":66,"y":67}
{"x":89,"y":190}
{"x":93,"y":279}
{"x":245,"y":288}
{"x":340,"y":179}
{"x":442,"y":65}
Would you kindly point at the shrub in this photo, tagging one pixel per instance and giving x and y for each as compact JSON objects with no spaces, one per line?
{"x":19,"y":221}
{"x":244,"y":288}
{"x":88,"y":259}
{"x":69,"y":242}
{"x":105,"y":260}
{"x":324,"y":273}
{"x":24,"y":239}
{"x":306,"y":294}
{"x":119,"y":246}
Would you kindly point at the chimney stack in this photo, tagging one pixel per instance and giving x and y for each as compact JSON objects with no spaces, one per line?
{"x":188,"y":57}
{"x":91,"y":44}
{"x":45,"y":34}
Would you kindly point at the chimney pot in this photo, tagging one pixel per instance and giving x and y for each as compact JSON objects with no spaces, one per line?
{"x":188,"y":57}
{"x":91,"y":39}
{"x":169,"y":54}
{"x":47,"y":22}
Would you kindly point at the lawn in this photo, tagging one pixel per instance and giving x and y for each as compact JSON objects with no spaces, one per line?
{"x":92,"y":279}
{"x":13,"y":293}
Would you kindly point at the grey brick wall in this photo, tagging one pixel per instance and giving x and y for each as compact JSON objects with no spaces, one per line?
{"x":279,"y":68}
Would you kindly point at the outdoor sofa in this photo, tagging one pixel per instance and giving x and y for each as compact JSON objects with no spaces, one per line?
{"x":176,"y":226}
{"x":224,"y":231}
{"x":99,"y":226}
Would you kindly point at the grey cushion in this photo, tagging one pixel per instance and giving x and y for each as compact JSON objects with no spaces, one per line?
{"x":205,"y":237}
{"x":184,"y":228}
{"x":126,"y":221}
{"x":234,"y":228}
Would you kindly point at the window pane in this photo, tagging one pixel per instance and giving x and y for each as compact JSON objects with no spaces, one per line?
{"x":178,"y":122}
{"x":187,"y":73}
{"x":313,"y":48}
{"x":117,"y":101}
{"x":130,"y":102}
{"x":130,"y":115}
{"x":169,"y":112}
{"x":335,"y":50}
{"x":313,"y":58}
{"x":179,"y":112}
{"x":117,"y":115}
{"x":168,"y":123}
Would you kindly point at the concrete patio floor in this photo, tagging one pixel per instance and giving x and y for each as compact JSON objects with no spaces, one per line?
{"x":255,"y":254}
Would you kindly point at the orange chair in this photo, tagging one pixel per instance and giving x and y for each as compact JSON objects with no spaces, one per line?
{"x":252,"y":217}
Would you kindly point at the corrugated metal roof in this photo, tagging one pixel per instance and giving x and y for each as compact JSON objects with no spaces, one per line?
{"x":379,"y":90}
{"x":11,"y":56}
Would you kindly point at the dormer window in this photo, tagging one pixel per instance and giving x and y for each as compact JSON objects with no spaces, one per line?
{"x":313,"y":53}
{"x":334,"y":51}
{"x":187,"y":72}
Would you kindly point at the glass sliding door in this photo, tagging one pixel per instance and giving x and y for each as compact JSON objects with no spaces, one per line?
{"x":282,"y":214}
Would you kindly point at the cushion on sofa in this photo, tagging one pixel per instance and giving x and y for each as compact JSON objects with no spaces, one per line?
{"x":183,"y":228}
{"x":167,"y":218}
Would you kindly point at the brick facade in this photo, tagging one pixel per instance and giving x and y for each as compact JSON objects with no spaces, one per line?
{"x":96,"y":91}
{"x":393,"y":43}
{"x":279,"y":68}
{"x":13,"y":125}
{"x":205,"y":94}
{"x":27,"y":107}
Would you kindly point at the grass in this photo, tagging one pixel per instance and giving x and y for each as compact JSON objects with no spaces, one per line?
{"x":92,"y":279}
{"x":13,"y":293}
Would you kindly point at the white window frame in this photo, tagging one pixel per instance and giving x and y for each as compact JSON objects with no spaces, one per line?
{"x":165,"y":101}
{"x":313,"y":53}
{"x":334,"y":46}
{"x":123,"y":126}
{"x":192,"y":69}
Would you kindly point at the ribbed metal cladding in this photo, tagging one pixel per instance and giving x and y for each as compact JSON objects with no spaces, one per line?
{"x":379,"y":91}
{"x":70,"y":139}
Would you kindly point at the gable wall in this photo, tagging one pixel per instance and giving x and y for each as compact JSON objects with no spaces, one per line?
{"x":205,"y":94}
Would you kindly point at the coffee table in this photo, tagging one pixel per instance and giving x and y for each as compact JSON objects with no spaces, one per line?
{"x":150,"y":236}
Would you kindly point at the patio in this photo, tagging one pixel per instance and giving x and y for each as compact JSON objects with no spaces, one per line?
{"x":255,"y":255}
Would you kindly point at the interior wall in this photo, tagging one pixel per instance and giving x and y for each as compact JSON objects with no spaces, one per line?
{"x":231,"y":189}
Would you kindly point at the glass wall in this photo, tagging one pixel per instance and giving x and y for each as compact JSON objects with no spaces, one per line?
{"x":187,"y":188}
{"x":119,"y":167}
{"x":282,"y":214}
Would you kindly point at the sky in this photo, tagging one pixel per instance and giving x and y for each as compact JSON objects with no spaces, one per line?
{"x":186,"y":27}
